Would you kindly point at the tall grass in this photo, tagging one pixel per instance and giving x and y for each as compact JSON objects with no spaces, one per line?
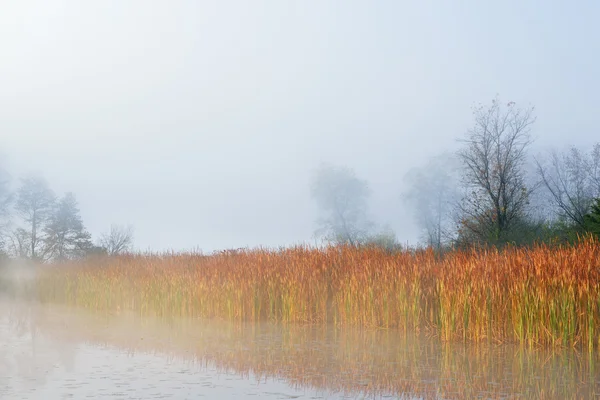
{"x":538,"y":296}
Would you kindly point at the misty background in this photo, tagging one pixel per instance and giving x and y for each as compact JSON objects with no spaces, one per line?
{"x":200,"y":123}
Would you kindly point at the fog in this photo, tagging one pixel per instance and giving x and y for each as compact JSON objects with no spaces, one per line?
{"x":200,"y":123}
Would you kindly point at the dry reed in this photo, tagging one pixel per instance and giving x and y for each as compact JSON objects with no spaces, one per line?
{"x":538,"y":296}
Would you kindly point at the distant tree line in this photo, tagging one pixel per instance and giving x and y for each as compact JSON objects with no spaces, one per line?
{"x":490,"y":192}
{"x":37,"y":225}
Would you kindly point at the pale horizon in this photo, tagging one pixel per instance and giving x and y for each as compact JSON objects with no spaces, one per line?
{"x":200,"y":123}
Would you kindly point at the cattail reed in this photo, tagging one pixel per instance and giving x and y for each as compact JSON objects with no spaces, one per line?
{"x":543,"y":295}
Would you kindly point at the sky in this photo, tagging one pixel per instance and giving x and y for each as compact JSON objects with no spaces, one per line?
{"x":201,"y":122}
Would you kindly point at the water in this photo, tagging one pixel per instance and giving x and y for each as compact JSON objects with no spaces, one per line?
{"x":53,"y":352}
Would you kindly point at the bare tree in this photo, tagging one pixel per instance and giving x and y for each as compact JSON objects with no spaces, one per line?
{"x":494,"y":159}
{"x":432,"y":193}
{"x":572,"y":182}
{"x":65,"y":235}
{"x":6,"y":198}
{"x":118,"y":241}
{"x":35,"y":204}
{"x":594,"y":168}
{"x":342,"y":199}
{"x":19,"y":245}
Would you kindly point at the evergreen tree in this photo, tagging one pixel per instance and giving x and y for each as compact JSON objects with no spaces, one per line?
{"x":592,"y":219}
{"x":35,"y":204}
{"x":65,"y":235}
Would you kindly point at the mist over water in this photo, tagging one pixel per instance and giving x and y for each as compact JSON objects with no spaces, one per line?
{"x":51,"y":351}
{"x":16,"y":278}
{"x":137,"y":126}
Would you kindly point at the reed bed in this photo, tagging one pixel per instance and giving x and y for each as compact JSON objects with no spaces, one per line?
{"x":544,"y":295}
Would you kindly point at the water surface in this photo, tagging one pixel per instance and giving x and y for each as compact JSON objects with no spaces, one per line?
{"x":55,"y":352}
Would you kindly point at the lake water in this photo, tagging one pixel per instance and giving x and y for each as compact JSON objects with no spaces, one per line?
{"x":54,"y":352}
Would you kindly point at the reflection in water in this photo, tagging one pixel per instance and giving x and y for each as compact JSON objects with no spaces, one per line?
{"x":51,"y":351}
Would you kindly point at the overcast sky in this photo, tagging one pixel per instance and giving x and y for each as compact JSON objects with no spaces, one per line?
{"x":200,"y":122}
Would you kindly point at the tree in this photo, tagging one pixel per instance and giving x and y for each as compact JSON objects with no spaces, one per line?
{"x":342,"y":200}
{"x":572,"y":182}
{"x":494,"y":159}
{"x":19,"y":245}
{"x":432,"y":193}
{"x":65,"y":235}
{"x":118,"y":241}
{"x":35,"y":204}
{"x":592,"y":218}
{"x":384,"y":239}
{"x":6,"y":198}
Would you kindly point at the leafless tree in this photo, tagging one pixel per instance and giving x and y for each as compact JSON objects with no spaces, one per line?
{"x":494,"y":159}
{"x":35,"y":204}
{"x":572,"y":182}
{"x":6,"y":198}
{"x":118,"y":241}
{"x":19,"y":245}
{"x":432,"y":193}
{"x":342,"y":199}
